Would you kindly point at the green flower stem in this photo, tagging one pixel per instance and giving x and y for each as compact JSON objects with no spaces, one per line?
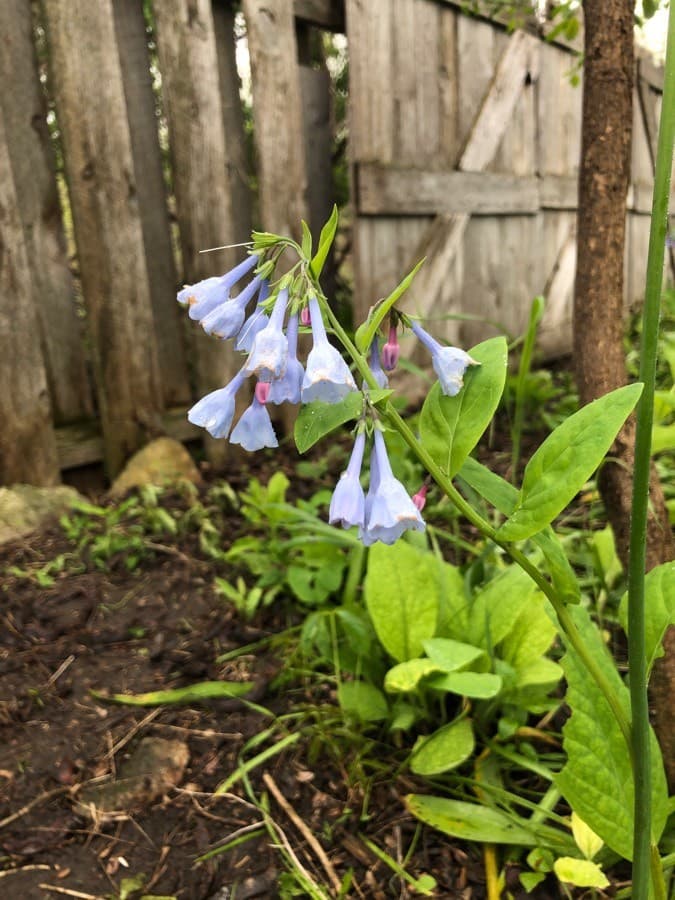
{"x":565,"y":621}
{"x":637,"y":663}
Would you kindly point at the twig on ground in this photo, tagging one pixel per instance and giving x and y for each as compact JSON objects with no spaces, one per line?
{"x":304,"y":830}
{"x":5,"y":872}
{"x":48,"y":795}
{"x":69,"y":893}
{"x":115,"y":748}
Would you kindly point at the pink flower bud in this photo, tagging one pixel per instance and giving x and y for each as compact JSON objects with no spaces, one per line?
{"x":262,"y":391}
{"x":304,"y":317}
{"x":391,"y":350}
{"x":420,"y":498}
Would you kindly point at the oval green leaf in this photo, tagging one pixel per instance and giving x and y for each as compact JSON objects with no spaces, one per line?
{"x":362,"y":701}
{"x":566,"y":460}
{"x":402,"y":597}
{"x":470,"y":821}
{"x":580,"y":872}
{"x":444,"y":750}
{"x":406,"y":676}
{"x":316,"y":420}
{"x":478,"y":685}
{"x":450,"y":427}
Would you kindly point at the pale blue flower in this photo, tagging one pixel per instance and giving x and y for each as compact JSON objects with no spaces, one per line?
{"x":225,"y":320}
{"x":449,"y":363}
{"x":287,"y":388}
{"x":347,"y":506}
{"x":255,"y":322}
{"x":389,"y":509}
{"x":254,"y":430}
{"x":216,"y":411}
{"x":375,"y":365}
{"x":327,"y":376}
{"x":205,"y":295}
{"x":270,"y":348}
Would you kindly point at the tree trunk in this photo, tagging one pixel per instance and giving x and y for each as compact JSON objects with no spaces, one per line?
{"x":598,"y":302}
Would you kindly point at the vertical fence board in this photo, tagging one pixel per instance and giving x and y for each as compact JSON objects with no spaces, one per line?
{"x":188,"y":57}
{"x":27,"y":443}
{"x":233,"y":117}
{"x":277,"y":114}
{"x":132,"y":43}
{"x":104,"y":200}
{"x":33,"y":165}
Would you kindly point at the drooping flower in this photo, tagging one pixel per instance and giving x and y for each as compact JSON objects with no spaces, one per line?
{"x":287,"y":387}
{"x":205,"y":295}
{"x":226,"y":319}
{"x":389,"y":509}
{"x":270,"y":347}
{"x":391,"y":350}
{"x":215,"y":411}
{"x":347,"y":506}
{"x":255,"y":322}
{"x":254,"y":429}
{"x":375,"y":365}
{"x":327,"y":376}
{"x":449,"y":363}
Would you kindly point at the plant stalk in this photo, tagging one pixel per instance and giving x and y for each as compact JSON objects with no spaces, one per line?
{"x":565,"y":620}
{"x":637,"y":664}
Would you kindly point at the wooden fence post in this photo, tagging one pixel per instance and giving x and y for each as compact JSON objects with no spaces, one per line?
{"x":32,"y":161}
{"x":190,"y":86}
{"x":152,"y":202}
{"x":27,"y":443}
{"x":91,"y":112}
{"x":277,"y":114}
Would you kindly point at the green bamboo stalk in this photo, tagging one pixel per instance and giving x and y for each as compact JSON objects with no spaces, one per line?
{"x":643,"y":855}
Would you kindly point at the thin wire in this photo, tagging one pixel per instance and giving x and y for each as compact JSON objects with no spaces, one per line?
{"x":227,"y":247}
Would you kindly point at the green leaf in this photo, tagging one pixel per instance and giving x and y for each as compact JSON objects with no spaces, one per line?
{"x":363,"y":701}
{"x":306,"y":240}
{"x":366,"y":332}
{"x":597,"y":780}
{"x":193,"y":693}
{"x":406,"y":676}
{"x":580,"y":872}
{"x":530,"y":880}
{"x":444,"y":750}
{"x":659,"y":609}
{"x":566,"y":460}
{"x":451,"y":655}
{"x":470,"y":821}
{"x":315,"y":420}
{"x":402,"y":597}
{"x":504,"y":497}
{"x":450,"y":427}
{"x":479,"y":685}
{"x":453,"y":610}
{"x":495,"y":608}
{"x":585,"y":838}
{"x":326,"y":239}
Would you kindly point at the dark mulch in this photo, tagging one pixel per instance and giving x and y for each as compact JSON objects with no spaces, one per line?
{"x":163,"y":626}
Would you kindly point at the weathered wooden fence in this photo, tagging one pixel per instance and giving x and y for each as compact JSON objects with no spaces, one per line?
{"x":463,"y":145}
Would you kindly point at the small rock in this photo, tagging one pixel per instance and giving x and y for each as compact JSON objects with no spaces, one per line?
{"x":155,"y":766}
{"x":161,"y":462}
{"x":23,"y":507}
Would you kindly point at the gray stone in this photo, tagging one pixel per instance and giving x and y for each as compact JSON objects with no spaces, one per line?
{"x":23,"y":508}
{"x":161,"y":462}
{"x":155,"y":766}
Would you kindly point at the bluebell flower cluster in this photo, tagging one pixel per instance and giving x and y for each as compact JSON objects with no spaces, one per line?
{"x":268,"y":334}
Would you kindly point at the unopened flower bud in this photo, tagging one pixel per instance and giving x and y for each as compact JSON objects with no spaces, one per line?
{"x":391,"y":350}
{"x":420,"y":498}
{"x":305,"y":317}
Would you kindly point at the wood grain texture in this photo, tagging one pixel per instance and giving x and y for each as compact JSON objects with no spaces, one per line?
{"x":191,"y":89}
{"x":33,"y":166}
{"x":27,"y":444}
{"x":277,"y":115}
{"x":130,"y":28}
{"x":104,"y":200}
